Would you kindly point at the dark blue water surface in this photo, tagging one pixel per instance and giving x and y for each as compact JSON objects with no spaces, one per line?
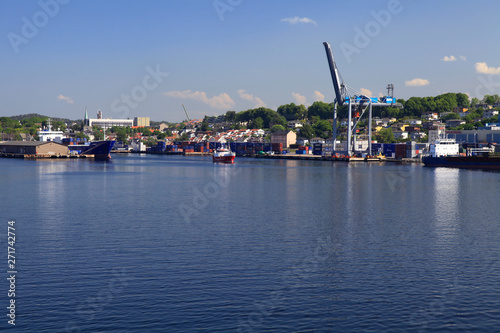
{"x":178,"y":244}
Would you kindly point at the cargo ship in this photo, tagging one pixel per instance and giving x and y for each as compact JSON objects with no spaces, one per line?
{"x":100,"y":149}
{"x":483,"y":161}
{"x":223,"y":155}
{"x":444,"y":153}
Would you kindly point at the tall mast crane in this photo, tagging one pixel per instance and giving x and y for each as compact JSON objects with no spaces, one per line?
{"x":357,"y":102}
{"x":189,"y":120}
{"x":338,"y":86}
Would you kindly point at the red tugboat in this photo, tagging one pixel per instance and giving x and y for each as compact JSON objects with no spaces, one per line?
{"x":223,"y":155}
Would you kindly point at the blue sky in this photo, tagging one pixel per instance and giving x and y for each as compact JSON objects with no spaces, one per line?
{"x":147,"y":58}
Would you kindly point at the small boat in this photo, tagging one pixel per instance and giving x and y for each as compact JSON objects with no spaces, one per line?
{"x":223,"y":155}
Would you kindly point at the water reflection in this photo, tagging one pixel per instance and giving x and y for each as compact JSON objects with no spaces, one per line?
{"x":446,"y":201}
{"x":51,"y":184}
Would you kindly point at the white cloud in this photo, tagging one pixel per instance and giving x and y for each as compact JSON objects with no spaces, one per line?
{"x":221,"y":101}
{"x":299,"y":99}
{"x":69,"y":100}
{"x":249,"y":97}
{"x":450,"y":58}
{"x":453,"y":58}
{"x":296,"y":19}
{"x":366,"y":92}
{"x":417,"y":82}
{"x":319,"y":96}
{"x":482,"y":68}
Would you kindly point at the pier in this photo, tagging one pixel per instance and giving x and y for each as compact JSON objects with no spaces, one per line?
{"x":42,"y":156}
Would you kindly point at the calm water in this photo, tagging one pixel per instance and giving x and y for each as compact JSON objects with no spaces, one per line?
{"x":178,"y":244}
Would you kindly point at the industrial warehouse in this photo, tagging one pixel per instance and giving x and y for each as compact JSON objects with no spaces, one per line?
{"x":32,"y":149}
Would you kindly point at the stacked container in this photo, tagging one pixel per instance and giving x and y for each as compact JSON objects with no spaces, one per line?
{"x":318,"y":149}
{"x":389,"y":149}
{"x":377,"y":148}
{"x":411,"y":149}
{"x":277,"y":147}
{"x":400,"y":151}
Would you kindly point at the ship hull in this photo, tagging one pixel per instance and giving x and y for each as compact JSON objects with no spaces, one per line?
{"x":471,"y":162}
{"x":224,"y":159}
{"x":99,"y":149}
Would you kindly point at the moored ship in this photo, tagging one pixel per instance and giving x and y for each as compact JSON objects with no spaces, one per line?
{"x":444,"y":153}
{"x":223,"y":155}
{"x":100,"y":149}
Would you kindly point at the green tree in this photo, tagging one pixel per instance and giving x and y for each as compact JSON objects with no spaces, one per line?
{"x":230,"y":116}
{"x":292,"y":111}
{"x":151,"y":142}
{"x":269,"y":117}
{"x":450,"y":116}
{"x":385,"y":135}
{"x":277,"y":128}
{"x":122,"y":136}
{"x":321,"y":109}
{"x":258,"y":123}
{"x":474,"y":102}
{"x":323,"y":129}
{"x":58,"y":124}
{"x":468,"y":126}
{"x":81,"y":135}
{"x":7,"y":122}
{"x":204,"y":126}
{"x":463,"y":100}
{"x":491,"y":99}
{"x":307,"y":131}
{"x":98,"y":133}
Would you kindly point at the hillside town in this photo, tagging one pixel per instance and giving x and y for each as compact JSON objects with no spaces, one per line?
{"x":474,"y":121}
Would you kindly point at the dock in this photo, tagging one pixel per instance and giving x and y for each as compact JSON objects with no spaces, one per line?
{"x":42,"y":156}
{"x":197,"y":153}
{"x":352,"y":159}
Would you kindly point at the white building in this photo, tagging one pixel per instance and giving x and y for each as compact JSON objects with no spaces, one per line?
{"x":294,"y":124}
{"x":107,"y":123}
{"x":414,"y":122}
{"x":430,"y":116}
{"x":400,"y":134}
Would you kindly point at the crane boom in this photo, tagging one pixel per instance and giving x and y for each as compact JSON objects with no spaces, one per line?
{"x":186,"y":113}
{"x":337,"y":86}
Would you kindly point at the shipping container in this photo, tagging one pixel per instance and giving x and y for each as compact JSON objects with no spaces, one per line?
{"x":377,"y":147}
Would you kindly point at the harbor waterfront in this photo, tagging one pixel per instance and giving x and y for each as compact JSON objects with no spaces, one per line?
{"x":169,"y":243}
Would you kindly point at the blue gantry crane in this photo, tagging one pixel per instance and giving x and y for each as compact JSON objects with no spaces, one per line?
{"x":357,"y":102}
